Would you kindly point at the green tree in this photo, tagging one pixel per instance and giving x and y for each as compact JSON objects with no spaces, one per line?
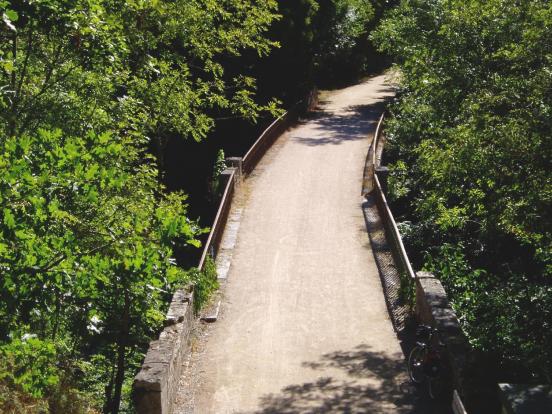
{"x":134,"y":66}
{"x":86,"y":244}
{"x":472,"y":124}
{"x":321,"y":42}
{"x":87,"y":232}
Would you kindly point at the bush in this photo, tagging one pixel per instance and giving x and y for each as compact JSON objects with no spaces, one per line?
{"x":30,"y":365}
{"x":33,"y":379}
{"x":470,"y":136}
{"x":205,"y":282}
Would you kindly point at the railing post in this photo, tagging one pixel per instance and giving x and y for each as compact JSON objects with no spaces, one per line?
{"x":226,"y":175}
{"x":383,"y":175}
{"x":237,"y":163}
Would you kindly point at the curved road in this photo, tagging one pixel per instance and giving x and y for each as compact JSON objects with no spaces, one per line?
{"x":303,"y":326}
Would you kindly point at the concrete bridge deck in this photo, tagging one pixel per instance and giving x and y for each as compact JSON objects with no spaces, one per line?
{"x":304,"y":326}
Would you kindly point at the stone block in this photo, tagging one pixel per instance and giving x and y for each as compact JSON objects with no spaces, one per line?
{"x":433,"y":308}
{"x":237,"y":164}
{"x":155,"y":386}
{"x":179,"y":306}
{"x":383,"y":175}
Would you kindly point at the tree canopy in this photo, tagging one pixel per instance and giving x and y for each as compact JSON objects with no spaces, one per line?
{"x":470,"y":140}
{"x":87,"y":232}
{"x":91,"y":92}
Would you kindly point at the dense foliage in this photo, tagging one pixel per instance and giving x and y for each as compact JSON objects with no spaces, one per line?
{"x":319,"y":42}
{"x":91,"y":94}
{"x":322,"y":42}
{"x":87,"y":232}
{"x":470,"y":137}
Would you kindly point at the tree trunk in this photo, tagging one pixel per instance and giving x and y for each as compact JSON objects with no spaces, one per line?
{"x":56,"y":316}
{"x":109,"y":393}
{"x":121,"y":351}
{"x":13,"y":87}
{"x":160,"y":143}
{"x":119,"y":378}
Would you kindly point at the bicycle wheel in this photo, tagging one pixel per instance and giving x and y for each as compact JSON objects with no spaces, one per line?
{"x":415,"y":364}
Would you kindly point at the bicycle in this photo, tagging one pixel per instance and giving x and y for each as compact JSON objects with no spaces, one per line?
{"x":425,"y":362}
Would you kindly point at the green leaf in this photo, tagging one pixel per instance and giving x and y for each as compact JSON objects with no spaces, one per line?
{"x":9,"y":219}
{"x":12,"y":15}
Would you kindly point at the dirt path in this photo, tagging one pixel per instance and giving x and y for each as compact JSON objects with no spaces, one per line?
{"x":304,"y":327}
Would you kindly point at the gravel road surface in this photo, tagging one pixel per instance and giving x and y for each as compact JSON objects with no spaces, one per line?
{"x":303,"y":325}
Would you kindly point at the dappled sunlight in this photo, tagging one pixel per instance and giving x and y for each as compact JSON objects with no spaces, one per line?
{"x":354,"y":124}
{"x":375,"y":383}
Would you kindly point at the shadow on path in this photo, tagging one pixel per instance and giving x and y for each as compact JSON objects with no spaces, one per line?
{"x":334,"y":129}
{"x":375,"y":383}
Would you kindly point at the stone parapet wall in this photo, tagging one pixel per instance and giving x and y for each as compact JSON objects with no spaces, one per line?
{"x":433,"y":308}
{"x":156,"y":385}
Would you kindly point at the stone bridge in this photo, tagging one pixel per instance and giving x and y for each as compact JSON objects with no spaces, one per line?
{"x":302,"y":324}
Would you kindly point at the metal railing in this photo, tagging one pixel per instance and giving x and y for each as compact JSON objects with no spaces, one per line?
{"x":267,"y":138}
{"x":249,"y":162}
{"x":391,"y":228}
{"x":215,"y":235}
